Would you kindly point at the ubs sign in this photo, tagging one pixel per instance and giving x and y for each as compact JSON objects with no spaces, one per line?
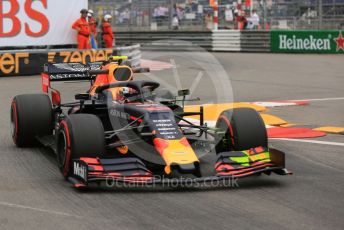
{"x":38,"y":22}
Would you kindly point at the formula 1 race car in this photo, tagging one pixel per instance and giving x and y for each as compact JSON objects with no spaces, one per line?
{"x":132,"y":132}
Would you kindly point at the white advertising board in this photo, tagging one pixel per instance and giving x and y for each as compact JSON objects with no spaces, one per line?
{"x":38,"y":22}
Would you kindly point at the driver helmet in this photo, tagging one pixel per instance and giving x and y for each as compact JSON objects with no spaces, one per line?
{"x":107,"y":17}
{"x":126,"y":93}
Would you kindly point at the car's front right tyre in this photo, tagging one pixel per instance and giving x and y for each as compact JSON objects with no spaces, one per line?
{"x":243,"y":129}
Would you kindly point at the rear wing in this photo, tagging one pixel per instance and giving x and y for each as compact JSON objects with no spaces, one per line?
{"x":75,"y":71}
{"x":78,"y":72}
{"x":71,"y":71}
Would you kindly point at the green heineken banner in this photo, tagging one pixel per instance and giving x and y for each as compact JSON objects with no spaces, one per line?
{"x":326,"y":41}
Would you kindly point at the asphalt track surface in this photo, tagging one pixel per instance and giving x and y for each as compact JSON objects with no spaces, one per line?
{"x":33,"y":194}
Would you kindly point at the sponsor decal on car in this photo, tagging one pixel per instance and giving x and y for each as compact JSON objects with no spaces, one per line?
{"x":119,"y":114}
{"x":165,"y":125}
{"x":66,"y":76}
{"x":80,"y":170}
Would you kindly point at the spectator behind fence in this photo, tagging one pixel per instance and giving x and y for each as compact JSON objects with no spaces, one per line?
{"x":107,"y":33}
{"x":254,"y":19}
{"x":175,"y":22}
{"x":241,"y":20}
{"x":236,"y":15}
{"x":177,"y":9}
{"x":83,"y":28}
{"x":208,"y":21}
{"x":93,"y":27}
{"x":124,"y":16}
{"x":160,"y":14}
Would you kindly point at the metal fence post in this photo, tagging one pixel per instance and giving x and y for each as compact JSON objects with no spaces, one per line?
{"x":320,"y":7}
{"x":264,"y":14}
{"x":216,"y":16}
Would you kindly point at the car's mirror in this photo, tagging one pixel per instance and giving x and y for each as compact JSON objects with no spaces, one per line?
{"x":183,"y":92}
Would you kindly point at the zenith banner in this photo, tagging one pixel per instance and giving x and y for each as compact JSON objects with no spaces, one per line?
{"x":327,"y":41}
{"x":19,"y":63}
{"x":38,"y":22}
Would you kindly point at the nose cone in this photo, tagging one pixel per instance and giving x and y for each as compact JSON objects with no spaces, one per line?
{"x":176,"y":152}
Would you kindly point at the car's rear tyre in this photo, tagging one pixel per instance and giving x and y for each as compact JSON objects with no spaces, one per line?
{"x":244,"y":129}
{"x":79,"y":135}
{"x":31,"y":116}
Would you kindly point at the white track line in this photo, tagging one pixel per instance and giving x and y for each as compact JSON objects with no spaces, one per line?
{"x":310,"y":141}
{"x":37,"y":209}
{"x":322,"y":99}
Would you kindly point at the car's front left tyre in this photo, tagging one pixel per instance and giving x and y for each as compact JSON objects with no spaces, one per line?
{"x":79,"y":135}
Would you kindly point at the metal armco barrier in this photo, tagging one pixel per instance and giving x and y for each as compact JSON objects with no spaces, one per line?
{"x":220,"y":40}
{"x":255,"y":41}
{"x":327,"y":41}
{"x":278,"y":41}
{"x":243,"y":41}
{"x":30,"y":62}
{"x":166,"y":40}
{"x":226,"y":40}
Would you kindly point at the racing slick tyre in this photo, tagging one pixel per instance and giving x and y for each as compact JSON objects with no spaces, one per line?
{"x":31,"y":116}
{"x":244,"y":129}
{"x":79,"y":135}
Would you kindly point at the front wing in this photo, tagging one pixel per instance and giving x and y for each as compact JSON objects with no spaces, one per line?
{"x":228,"y":166}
